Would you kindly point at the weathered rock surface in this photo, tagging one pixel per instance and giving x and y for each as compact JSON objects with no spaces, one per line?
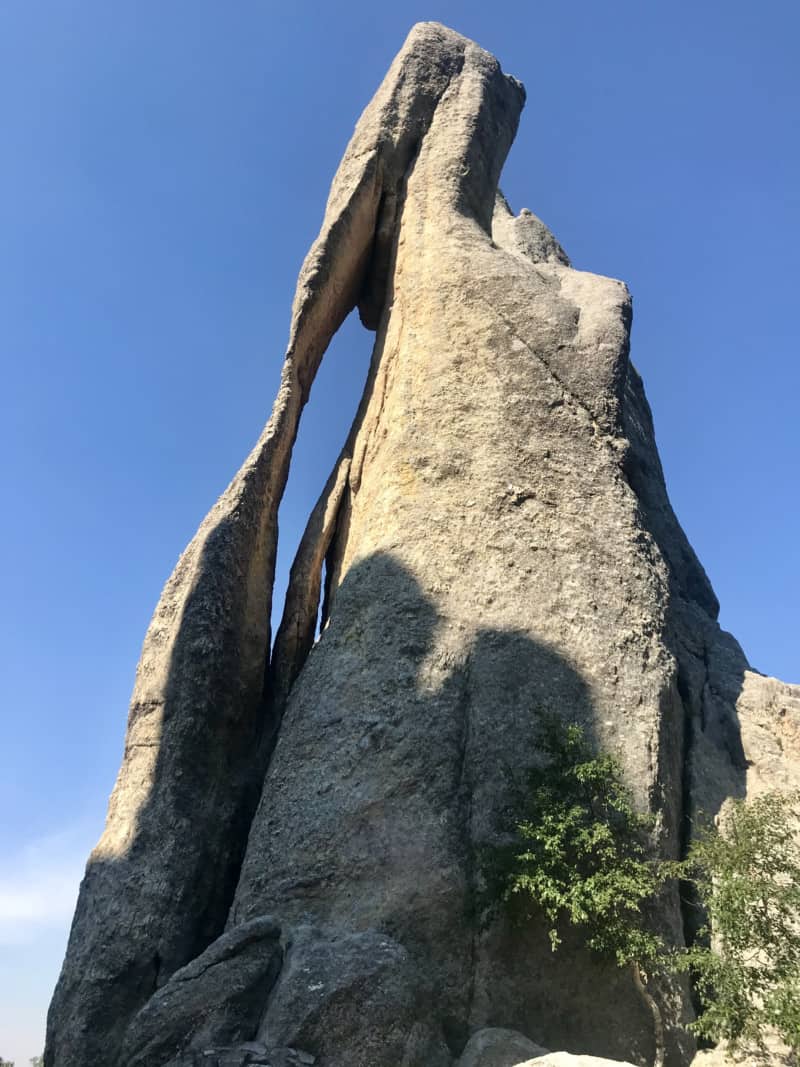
{"x":218,"y":998}
{"x":496,"y":1047}
{"x":249,"y":1054}
{"x":488,"y":560}
{"x":356,"y":999}
{"x":497,"y":540}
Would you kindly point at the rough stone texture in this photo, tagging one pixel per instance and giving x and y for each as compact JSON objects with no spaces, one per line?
{"x":249,"y":1054}
{"x":217,"y":998}
{"x":496,"y":1047}
{"x":355,"y":999}
{"x":498,"y":540}
{"x":525,"y":234}
{"x":489,"y":559}
{"x":158,"y":886}
{"x":747,"y":732}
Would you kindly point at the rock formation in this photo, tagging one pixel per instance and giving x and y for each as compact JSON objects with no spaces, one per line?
{"x":292,"y":845}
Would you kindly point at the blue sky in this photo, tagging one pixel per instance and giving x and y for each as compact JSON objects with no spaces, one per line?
{"x":164,"y":169}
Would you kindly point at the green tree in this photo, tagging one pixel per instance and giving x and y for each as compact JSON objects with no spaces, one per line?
{"x":581,"y":856}
{"x":37,"y":1061}
{"x":745,"y":963}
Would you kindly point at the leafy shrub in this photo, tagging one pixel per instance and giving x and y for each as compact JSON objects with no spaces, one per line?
{"x":581,"y":856}
{"x":745,"y":963}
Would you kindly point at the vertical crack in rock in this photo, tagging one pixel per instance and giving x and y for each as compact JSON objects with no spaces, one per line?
{"x":298,"y":625}
{"x":318,"y":543}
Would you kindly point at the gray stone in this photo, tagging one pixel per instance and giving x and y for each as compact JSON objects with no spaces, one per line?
{"x":350,"y":1000}
{"x":526,"y":235}
{"x":158,"y":885}
{"x":217,"y":1000}
{"x":456,"y":610}
{"x":233,"y":1058}
{"x":497,"y":541}
{"x":496,"y":1047}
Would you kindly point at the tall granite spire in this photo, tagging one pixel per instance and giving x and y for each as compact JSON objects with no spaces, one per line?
{"x":292,"y":846}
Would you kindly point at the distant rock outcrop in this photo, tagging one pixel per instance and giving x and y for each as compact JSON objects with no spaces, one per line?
{"x":293,"y":843}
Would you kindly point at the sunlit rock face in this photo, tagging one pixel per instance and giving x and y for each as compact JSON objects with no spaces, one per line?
{"x":293,"y":846}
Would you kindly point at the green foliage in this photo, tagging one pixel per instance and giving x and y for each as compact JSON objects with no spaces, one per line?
{"x":746,"y":962}
{"x":580,"y":855}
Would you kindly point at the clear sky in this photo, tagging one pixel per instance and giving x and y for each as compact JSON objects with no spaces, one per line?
{"x":164,"y":170}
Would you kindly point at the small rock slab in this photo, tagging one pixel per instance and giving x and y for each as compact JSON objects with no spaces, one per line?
{"x":497,"y":1047}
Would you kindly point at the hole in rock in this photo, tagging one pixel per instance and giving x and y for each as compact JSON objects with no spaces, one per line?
{"x":324,"y":427}
{"x":321,"y":607}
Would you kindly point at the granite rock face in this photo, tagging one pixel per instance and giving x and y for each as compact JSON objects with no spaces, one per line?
{"x":216,"y":999}
{"x":497,"y":541}
{"x":496,"y":1047}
